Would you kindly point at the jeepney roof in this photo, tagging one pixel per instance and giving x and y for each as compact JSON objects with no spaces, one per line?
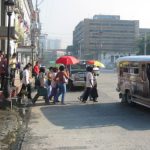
{"x":141,"y":58}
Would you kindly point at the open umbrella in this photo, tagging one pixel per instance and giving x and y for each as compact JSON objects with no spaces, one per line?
{"x":67,"y":60}
{"x":96,"y":63}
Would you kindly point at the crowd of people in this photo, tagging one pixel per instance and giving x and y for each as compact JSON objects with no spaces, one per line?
{"x":50,"y":84}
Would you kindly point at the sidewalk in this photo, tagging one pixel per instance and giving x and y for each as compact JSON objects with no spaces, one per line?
{"x":11,"y":121}
{"x":8,"y":128}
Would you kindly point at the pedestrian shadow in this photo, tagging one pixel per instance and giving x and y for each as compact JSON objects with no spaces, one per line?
{"x":80,"y":116}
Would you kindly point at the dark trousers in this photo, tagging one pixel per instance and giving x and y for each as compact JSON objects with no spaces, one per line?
{"x":12,"y":75}
{"x":86,"y":93}
{"x":26,"y":89}
{"x":2,"y":81}
{"x":41,"y":91}
{"x":53,"y":93}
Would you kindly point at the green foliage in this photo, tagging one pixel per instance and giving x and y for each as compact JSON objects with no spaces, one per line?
{"x":140,"y":45}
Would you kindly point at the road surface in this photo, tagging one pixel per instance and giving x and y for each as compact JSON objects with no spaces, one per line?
{"x":106,"y":125}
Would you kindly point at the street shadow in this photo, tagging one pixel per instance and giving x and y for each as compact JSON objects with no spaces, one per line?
{"x":78,"y":116}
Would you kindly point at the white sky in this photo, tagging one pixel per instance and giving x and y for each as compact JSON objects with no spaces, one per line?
{"x":59,"y":17}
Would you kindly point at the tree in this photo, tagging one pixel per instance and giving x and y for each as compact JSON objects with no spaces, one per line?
{"x":141,"y":44}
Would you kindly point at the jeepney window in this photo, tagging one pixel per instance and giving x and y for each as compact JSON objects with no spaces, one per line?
{"x":134,"y":68}
{"x":121,"y":71}
{"x":125,"y":69}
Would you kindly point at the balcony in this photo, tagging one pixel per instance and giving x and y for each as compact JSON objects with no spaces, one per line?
{"x":3,"y":33}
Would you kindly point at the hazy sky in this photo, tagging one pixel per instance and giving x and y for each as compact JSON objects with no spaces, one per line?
{"x":59,"y":17}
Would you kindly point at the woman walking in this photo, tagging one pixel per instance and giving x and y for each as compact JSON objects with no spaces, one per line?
{"x":25,"y":84}
{"x":41,"y":89}
{"x":61,"y":79}
{"x":53,"y":84}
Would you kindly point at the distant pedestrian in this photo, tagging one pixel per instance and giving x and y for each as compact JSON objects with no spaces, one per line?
{"x":13,"y":63}
{"x":36,"y":70}
{"x":3,"y":66}
{"x":94,"y":92}
{"x":49,"y":80}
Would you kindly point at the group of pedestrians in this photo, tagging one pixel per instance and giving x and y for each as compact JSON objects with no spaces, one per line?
{"x":52,"y":84}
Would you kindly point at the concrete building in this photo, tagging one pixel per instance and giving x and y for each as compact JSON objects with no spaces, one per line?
{"x":143,"y":32}
{"x":23,"y":21}
{"x":24,"y":31}
{"x":50,"y":56}
{"x":53,"y":44}
{"x":3,"y":30}
{"x":105,"y":38}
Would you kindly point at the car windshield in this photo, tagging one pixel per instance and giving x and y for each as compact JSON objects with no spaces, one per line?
{"x":78,"y":68}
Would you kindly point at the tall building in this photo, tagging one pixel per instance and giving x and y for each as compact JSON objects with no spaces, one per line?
{"x":105,"y":38}
{"x":53,"y":44}
{"x":144,"y":32}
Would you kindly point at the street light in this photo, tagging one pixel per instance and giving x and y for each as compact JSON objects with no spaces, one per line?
{"x":80,"y":48}
{"x":9,"y":4}
{"x":145,"y":43}
{"x":32,"y":48}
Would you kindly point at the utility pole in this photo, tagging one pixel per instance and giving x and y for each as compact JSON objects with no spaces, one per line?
{"x":145,"y":44}
{"x":80,"y":48}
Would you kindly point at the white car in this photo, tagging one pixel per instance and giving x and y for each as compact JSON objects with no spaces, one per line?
{"x":77,"y":76}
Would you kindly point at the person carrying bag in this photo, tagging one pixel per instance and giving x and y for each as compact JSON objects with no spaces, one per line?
{"x":41,"y":89}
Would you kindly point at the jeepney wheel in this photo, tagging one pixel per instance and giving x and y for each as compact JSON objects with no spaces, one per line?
{"x":129,"y":98}
{"x":123,"y":99}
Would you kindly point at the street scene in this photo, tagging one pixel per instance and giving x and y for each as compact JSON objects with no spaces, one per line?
{"x":107,"y":124}
{"x":74,"y":75}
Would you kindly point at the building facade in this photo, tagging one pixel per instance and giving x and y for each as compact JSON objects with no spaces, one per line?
{"x":105,"y":38}
{"x":53,"y":44}
{"x":24,"y":31}
{"x":144,"y":32}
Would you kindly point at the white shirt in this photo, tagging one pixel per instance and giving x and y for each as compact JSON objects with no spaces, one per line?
{"x":89,"y":79}
{"x":53,"y":82}
{"x":26,"y":77}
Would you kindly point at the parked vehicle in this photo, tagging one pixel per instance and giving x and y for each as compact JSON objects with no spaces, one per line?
{"x":77,"y":75}
{"x":134,"y":79}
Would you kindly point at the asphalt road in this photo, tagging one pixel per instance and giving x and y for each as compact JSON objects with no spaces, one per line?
{"x":106,"y":125}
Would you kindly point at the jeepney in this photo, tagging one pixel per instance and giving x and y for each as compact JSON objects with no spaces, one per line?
{"x":134,"y":79}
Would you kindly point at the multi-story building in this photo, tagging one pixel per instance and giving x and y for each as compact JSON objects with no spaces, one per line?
{"x":144,"y":32}
{"x":23,"y":21}
{"x":53,"y":44}
{"x":4,"y":28}
{"x":105,"y":38}
{"x":24,"y":31}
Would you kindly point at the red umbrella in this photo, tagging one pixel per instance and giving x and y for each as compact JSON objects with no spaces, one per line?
{"x":67,"y":60}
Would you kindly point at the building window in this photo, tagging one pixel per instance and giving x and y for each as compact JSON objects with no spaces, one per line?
{"x":104,"y":55}
{"x":112,"y":59}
